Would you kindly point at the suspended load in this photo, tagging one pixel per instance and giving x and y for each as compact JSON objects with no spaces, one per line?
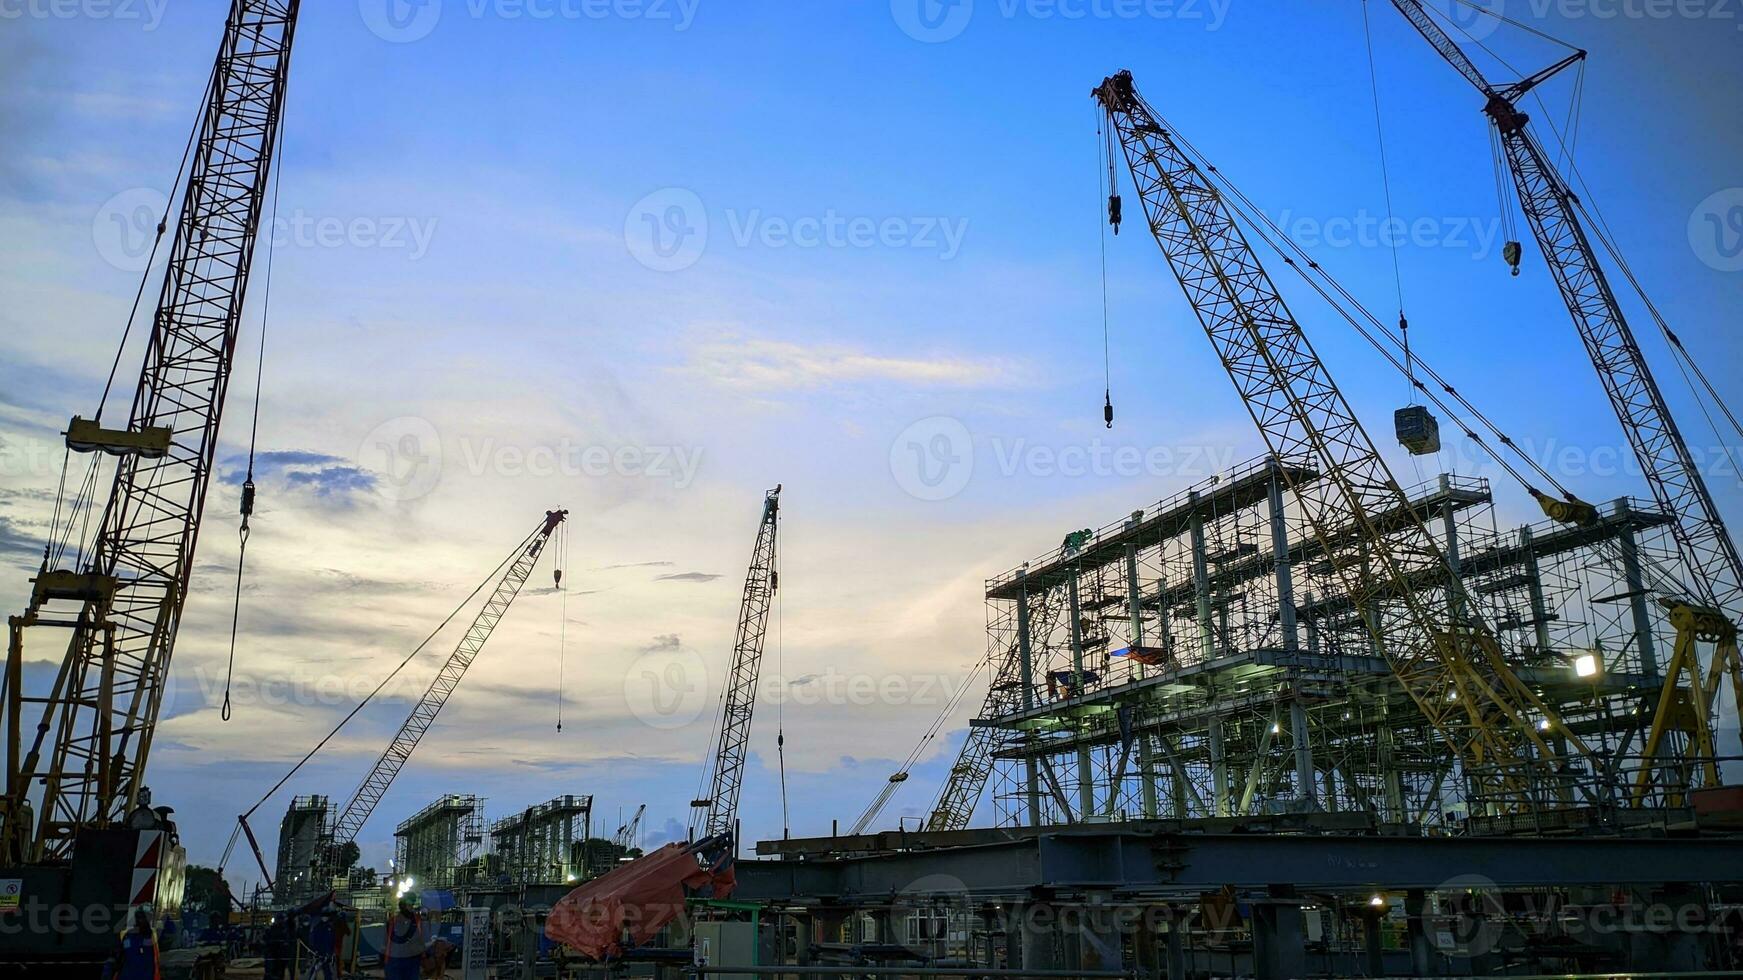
{"x":1418,"y":430}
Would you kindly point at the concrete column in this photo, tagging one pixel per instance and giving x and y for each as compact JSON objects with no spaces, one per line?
{"x":1637,"y":609}
{"x":1201,"y":582}
{"x":1534,"y":588}
{"x":1085,"y":769}
{"x":1219,"y":771}
{"x":1391,"y":780}
{"x":1135,"y":607}
{"x":1423,"y":961}
{"x":1026,"y":679}
{"x":1176,"y":944}
{"x":1373,"y":947}
{"x":1280,"y":555}
{"x":1450,"y":526}
{"x":1279,"y":946}
{"x":1304,"y":774}
{"x":1037,"y":930}
{"x":1099,"y":945}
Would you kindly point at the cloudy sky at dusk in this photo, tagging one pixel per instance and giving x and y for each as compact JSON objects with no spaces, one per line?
{"x":645,"y":260}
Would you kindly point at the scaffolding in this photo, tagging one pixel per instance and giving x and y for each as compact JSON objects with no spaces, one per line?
{"x":1199,"y":658}
{"x":437,"y":846}
{"x":305,"y":835}
{"x":543,"y":844}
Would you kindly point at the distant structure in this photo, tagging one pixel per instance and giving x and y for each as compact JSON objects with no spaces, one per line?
{"x":543,"y":844}
{"x":437,"y":847}
{"x":303,"y":835}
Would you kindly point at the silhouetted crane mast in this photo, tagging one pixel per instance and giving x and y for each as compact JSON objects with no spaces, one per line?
{"x":715,"y":814}
{"x":129,"y":586}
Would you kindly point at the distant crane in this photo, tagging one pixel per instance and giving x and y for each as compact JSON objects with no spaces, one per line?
{"x":1441,"y":653}
{"x":625,"y":837}
{"x":375,"y":784}
{"x":1707,"y":550}
{"x":716,"y":814}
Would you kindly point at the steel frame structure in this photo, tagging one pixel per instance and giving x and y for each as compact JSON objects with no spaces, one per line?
{"x":1228,"y":719}
{"x":1438,"y":647}
{"x":104,"y":704}
{"x":1708,"y":552}
{"x":541,"y":844}
{"x":436,"y":845}
{"x":716,"y":814}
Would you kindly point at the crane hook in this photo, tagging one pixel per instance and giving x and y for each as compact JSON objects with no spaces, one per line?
{"x":1114,"y":212}
{"x":1107,"y":408}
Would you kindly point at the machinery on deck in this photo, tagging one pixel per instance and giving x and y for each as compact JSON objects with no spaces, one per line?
{"x":76,"y":822}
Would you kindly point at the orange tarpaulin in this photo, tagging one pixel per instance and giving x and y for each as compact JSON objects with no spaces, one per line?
{"x":633,"y":902}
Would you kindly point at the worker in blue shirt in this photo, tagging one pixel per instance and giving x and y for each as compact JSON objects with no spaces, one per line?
{"x":137,"y":959}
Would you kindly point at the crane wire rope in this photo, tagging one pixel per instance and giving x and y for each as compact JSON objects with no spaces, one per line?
{"x":519,"y":550}
{"x":562,"y":621}
{"x":248,"y":489}
{"x":781,"y":700}
{"x":77,"y":512}
{"x":1342,"y":302}
{"x":1687,"y":366}
{"x":1104,"y":155}
{"x":931,"y":732}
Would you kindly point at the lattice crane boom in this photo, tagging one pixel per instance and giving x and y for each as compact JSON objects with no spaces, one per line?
{"x":103,"y":707}
{"x":715,"y":814}
{"x":1675,"y":480}
{"x":1438,"y":648}
{"x":1708,"y":552}
{"x":381,"y":776}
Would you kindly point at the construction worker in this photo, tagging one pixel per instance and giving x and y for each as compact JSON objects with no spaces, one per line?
{"x":136,"y":959}
{"x":321,"y":947}
{"x":405,"y":942}
{"x":277,"y":946}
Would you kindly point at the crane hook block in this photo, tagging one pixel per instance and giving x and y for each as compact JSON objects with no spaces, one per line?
{"x":1107,"y":410}
{"x":1114,"y":212}
{"x":557,"y":577}
{"x":1511,"y":252}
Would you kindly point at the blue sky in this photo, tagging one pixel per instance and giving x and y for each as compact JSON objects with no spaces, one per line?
{"x":463,"y":257}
